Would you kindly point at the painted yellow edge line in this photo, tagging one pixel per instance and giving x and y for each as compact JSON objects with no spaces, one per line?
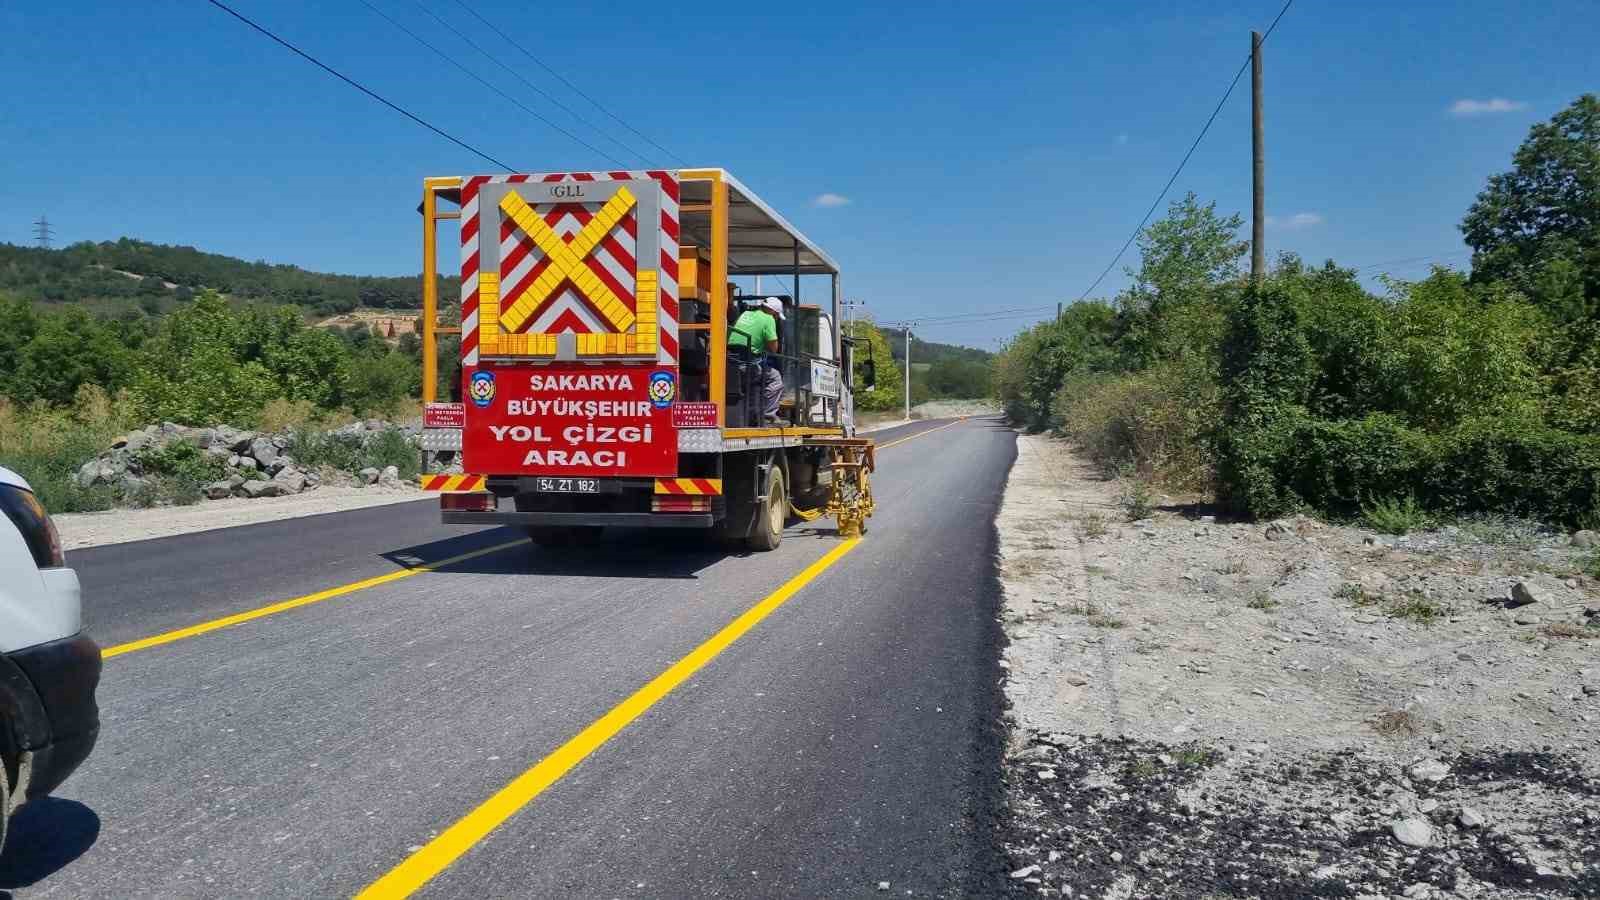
{"x":420,"y":867}
{"x":275,"y":608}
{"x":921,"y":433}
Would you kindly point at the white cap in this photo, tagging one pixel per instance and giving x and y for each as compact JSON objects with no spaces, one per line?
{"x":774,"y":304}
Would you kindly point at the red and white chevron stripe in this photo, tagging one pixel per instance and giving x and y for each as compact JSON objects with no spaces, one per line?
{"x":613,"y":262}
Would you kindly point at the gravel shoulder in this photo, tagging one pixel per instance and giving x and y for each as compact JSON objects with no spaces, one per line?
{"x":1204,"y":709}
{"x":117,"y":526}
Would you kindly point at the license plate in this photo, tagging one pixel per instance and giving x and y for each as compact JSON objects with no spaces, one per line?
{"x":567,"y":485}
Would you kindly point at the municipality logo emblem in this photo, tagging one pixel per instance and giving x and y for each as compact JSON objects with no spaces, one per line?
{"x":481,"y":388}
{"x":663,"y":388}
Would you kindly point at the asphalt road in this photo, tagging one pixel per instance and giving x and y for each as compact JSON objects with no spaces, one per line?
{"x":849,"y":738}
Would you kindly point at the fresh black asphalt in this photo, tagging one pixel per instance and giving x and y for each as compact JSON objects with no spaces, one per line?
{"x":847,"y":740}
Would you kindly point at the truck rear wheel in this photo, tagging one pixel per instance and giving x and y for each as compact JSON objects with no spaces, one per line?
{"x":568,"y":536}
{"x":773,"y":512}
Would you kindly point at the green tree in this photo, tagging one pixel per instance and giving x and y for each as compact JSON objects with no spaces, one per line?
{"x":958,"y":378}
{"x":1169,"y":311}
{"x":195,"y":369}
{"x":872,"y":344}
{"x":66,"y":351}
{"x":1032,"y":368}
{"x":1537,"y":226}
{"x":380,"y":380}
{"x":18,"y":323}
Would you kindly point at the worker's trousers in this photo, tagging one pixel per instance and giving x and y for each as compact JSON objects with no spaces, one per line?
{"x":771,"y":391}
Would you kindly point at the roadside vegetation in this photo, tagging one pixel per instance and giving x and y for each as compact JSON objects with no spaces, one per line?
{"x":1456,"y":395}
{"x":938,"y":371}
{"x":70,"y":383}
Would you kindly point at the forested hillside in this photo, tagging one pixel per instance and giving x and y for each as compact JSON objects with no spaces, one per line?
{"x":115,"y":277}
{"x":941,"y":371}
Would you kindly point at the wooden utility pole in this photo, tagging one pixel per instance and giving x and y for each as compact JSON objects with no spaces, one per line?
{"x":1258,"y":224}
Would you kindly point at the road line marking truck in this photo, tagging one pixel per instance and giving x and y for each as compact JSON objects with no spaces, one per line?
{"x":597,"y":385}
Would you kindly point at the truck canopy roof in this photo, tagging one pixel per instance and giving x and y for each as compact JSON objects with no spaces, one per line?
{"x":760,"y":241}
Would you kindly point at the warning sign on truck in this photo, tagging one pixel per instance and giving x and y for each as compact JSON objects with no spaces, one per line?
{"x":571,"y":420}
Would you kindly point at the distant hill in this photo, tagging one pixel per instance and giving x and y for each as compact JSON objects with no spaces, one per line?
{"x":942,"y":371}
{"x":115,"y":277}
{"x":932,"y":352}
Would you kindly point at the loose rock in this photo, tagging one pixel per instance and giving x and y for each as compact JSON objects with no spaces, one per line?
{"x":1412,"y":832}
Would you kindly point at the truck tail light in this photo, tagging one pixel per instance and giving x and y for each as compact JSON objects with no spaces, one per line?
{"x":667,"y":503}
{"x":475,"y":501}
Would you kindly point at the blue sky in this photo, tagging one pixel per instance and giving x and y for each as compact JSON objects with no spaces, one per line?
{"x":979,"y":156}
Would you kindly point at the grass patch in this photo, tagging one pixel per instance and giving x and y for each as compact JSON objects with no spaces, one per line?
{"x":1092,"y":525}
{"x":1393,"y":516}
{"x":1398,"y":723}
{"x":1590,"y":564}
{"x":1025,"y":566}
{"x":1262,"y":602}
{"x":1194,"y":757}
{"x":1096,"y":617}
{"x":1500,"y":531}
{"x":1144,"y":768}
{"x":1233,"y":566}
{"x":1571,"y":631}
{"x":1356,"y":595}
{"x":1418,"y":609}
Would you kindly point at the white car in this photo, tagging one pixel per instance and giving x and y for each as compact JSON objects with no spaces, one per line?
{"x":48,"y":667}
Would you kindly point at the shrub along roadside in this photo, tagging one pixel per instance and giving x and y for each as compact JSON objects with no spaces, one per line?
{"x":46,"y":447}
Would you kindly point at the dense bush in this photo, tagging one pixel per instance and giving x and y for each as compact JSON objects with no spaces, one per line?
{"x":1454,"y":395}
{"x":353,"y":451}
{"x":47,"y":445}
{"x":1159,"y":423}
{"x":205,"y":362}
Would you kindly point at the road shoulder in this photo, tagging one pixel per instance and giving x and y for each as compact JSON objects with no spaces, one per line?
{"x":1244,"y":709}
{"x":120,"y":526}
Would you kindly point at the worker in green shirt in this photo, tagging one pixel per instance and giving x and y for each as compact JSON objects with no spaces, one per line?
{"x":758,"y":329}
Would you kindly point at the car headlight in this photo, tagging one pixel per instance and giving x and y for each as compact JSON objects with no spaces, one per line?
{"x":38,"y":532}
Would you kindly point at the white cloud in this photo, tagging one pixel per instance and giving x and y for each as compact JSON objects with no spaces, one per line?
{"x":831,"y":199}
{"x":1469,"y":107}
{"x":1297,"y":221}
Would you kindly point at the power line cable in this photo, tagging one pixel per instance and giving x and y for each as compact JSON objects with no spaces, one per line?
{"x":360,"y":87}
{"x":1192,"y":147}
{"x":488,"y":84}
{"x":575,"y":89}
{"x":531,"y":86}
{"x":980,"y":316}
{"x":1413,"y":259}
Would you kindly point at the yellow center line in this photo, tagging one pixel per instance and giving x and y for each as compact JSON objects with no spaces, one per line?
{"x":435,"y":856}
{"x":297,"y":602}
{"x":343,"y":589}
{"x":921,"y":433}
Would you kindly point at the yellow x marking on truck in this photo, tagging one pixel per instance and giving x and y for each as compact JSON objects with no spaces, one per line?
{"x":566,"y":260}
